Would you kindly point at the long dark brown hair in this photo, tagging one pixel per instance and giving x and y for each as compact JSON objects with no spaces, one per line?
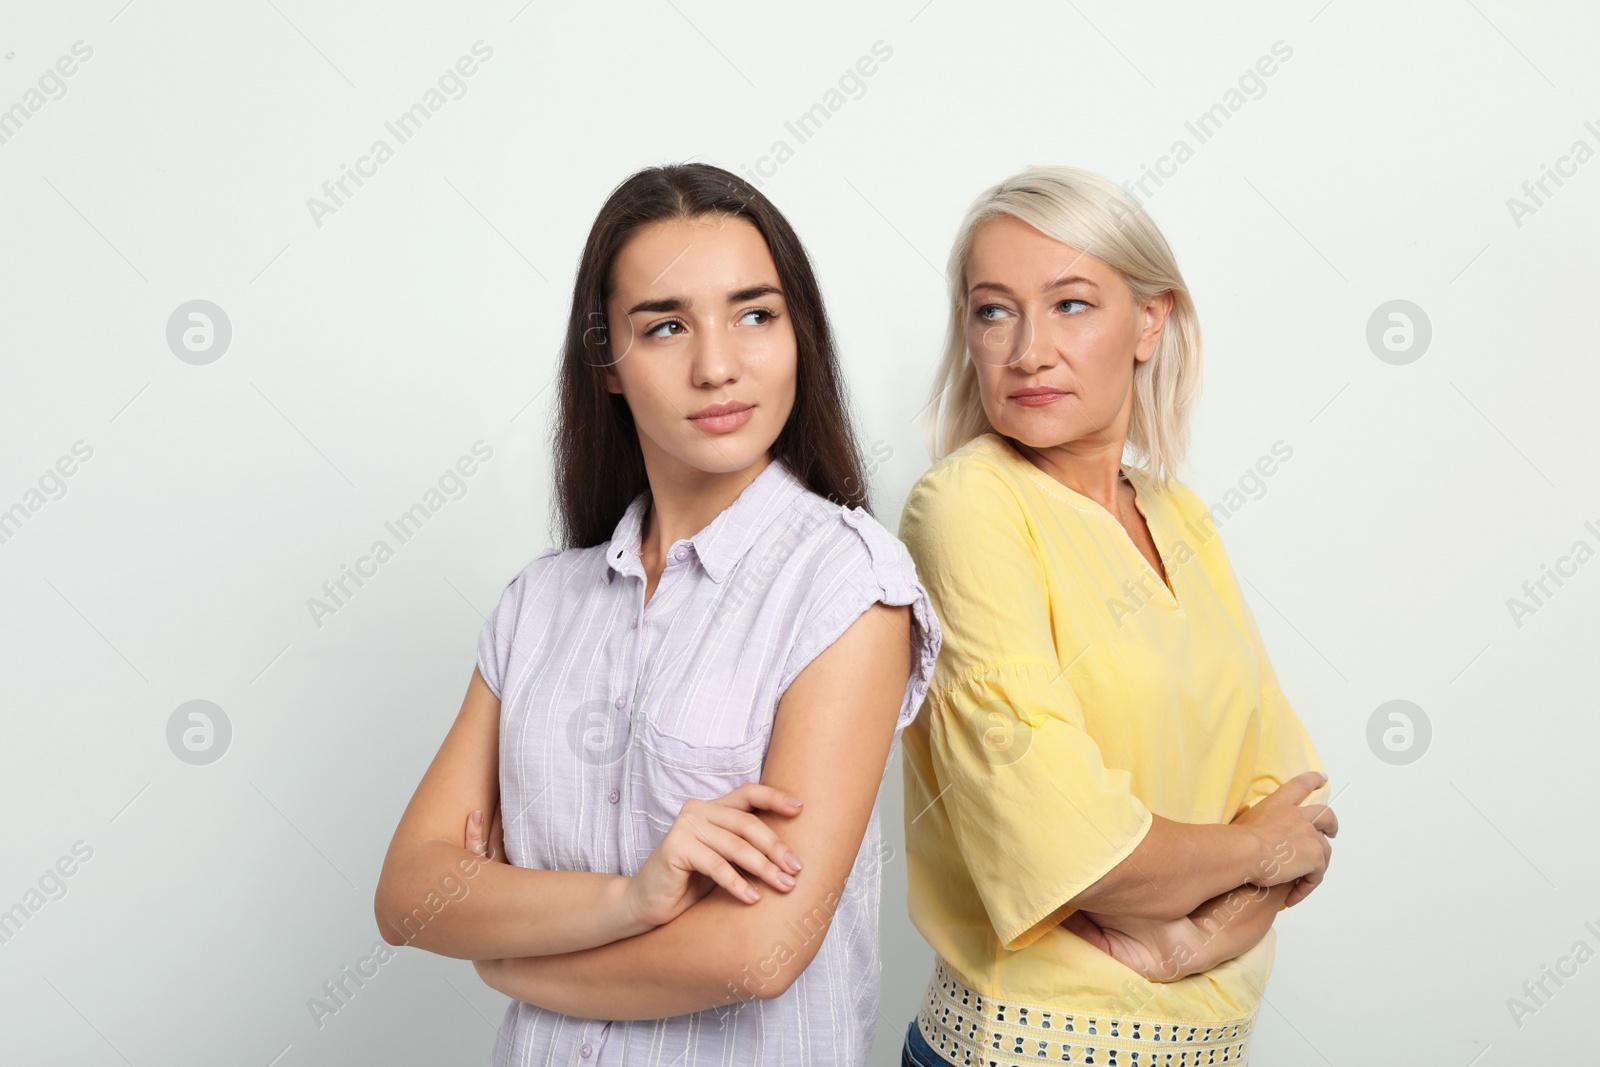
{"x":599,"y":467}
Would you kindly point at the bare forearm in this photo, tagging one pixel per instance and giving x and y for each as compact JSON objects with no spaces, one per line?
{"x":1176,"y":868}
{"x":719,"y":952}
{"x":447,"y":900}
{"x":833,"y":732}
{"x":1235,"y":922}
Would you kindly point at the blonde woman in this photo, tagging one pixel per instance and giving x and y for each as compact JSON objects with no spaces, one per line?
{"x":1108,"y":797}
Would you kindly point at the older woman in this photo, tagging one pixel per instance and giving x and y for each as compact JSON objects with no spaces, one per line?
{"x":1107,"y":792}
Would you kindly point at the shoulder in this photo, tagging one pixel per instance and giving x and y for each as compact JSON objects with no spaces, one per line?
{"x":848,"y":545}
{"x":844,"y":563}
{"x":549,"y":571}
{"x":980,"y":471}
{"x":547,"y":562}
{"x":973,"y":502}
{"x":982,"y":465}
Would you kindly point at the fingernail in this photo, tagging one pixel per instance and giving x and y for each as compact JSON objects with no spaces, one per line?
{"x":785,"y":880}
{"x":751,"y":895}
{"x":477,"y":816}
{"x":792,"y":861}
{"x":794,"y":801}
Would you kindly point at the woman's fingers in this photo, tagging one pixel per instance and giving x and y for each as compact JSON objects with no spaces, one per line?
{"x":1327,"y":822}
{"x":709,"y":861}
{"x":1308,"y":882}
{"x":738,"y":850}
{"x":1088,"y":930}
{"x":1302,"y":889}
{"x":1296,"y":789}
{"x":707,"y":840}
{"x":756,"y":795}
{"x":497,"y":837}
{"x":752,"y":829}
{"x":740,"y":836}
{"x":753,"y":795}
{"x":476,"y":839}
{"x":488,"y":842}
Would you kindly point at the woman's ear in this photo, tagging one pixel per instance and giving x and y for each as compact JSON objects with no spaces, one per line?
{"x":1153,"y":319}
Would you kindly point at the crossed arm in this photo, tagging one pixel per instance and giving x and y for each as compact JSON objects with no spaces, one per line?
{"x":829,"y":746}
{"x":1276,"y":852}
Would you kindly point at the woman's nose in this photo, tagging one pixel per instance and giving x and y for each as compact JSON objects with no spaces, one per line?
{"x":715,"y":360}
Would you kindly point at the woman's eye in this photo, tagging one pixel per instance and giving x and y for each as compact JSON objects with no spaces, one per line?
{"x":983,"y":312}
{"x":655,"y":331}
{"x":1064,"y":303}
{"x":766,"y":316}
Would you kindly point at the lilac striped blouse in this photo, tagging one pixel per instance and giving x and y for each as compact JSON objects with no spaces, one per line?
{"x":614,"y":712}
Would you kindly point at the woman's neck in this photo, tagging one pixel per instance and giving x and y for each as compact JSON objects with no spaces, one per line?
{"x":683,"y":501}
{"x":1091,"y":469}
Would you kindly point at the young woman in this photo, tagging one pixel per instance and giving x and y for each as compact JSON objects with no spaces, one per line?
{"x":686,"y":714}
{"x":1106,"y":795}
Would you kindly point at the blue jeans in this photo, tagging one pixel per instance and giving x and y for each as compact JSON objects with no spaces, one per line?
{"x":917,"y":1052}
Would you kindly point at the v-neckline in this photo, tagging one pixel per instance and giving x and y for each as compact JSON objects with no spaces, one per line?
{"x":1135,"y":478}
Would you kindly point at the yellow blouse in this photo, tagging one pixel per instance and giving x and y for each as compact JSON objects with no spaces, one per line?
{"x":1075,"y":695}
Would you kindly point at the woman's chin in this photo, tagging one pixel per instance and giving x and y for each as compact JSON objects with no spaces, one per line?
{"x":723,"y":453}
{"x":1038,"y":432}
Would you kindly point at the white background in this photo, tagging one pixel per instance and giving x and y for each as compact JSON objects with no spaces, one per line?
{"x":369,"y":352}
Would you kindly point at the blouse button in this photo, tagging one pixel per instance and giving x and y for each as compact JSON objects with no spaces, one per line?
{"x":585,"y":1049}
{"x":621,"y":702}
{"x":680,"y":553}
{"x":614,"y":797}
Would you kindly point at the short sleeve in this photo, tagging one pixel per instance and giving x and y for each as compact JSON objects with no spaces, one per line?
{"x":872,"y":567}
{"x":496,"y":638}
{"x":1034,"y":811}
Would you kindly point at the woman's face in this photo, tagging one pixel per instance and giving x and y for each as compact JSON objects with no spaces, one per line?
{"x":697,"y":321}
{"x":1055,"y":335}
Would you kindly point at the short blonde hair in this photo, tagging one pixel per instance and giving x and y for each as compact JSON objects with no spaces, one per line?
{"x":1089,"y":212}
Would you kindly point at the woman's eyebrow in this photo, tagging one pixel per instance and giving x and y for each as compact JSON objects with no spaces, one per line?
{"x":683,"y":303}
{"x":1045,"y":288}
{"x":670,"y":303}
{"x":750,"y":293}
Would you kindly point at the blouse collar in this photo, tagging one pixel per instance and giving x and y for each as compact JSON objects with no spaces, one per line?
{"x":726,"y":539}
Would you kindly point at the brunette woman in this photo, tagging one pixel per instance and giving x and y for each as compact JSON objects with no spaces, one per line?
{"x":684,"y":713}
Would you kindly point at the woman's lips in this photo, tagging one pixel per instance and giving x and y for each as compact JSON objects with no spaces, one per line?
{"x":1035,"y":399}
{"x":726,"y":422}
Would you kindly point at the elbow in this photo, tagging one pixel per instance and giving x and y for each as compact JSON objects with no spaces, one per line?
{"x":780,"y":982}
{"x":771,"y":959}
{"x":384,"y":916}
{"x":387,"y":931}
{"x":397,"y":924}
{"x":755,"y":968}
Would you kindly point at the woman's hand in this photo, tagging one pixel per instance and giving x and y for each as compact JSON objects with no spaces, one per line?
{"x":691,"y":860}
{"x":1293,"y":836}
{"x":492,"y":846}
{"x":1160,"y":950}
{"x":695,"y":855}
